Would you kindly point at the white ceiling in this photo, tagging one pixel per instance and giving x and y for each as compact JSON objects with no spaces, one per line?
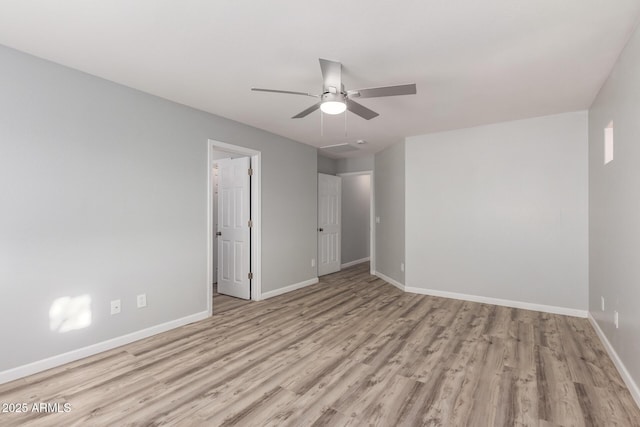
{"x":474,"y":62}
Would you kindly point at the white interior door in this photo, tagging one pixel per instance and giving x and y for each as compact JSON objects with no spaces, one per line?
{"x":214,"y":212}
{"x":233,"y":227}
{"x":329,"y":223}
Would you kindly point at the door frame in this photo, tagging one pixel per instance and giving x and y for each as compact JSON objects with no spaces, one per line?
{"x":372,"y":217}
{"x":256,"y":217}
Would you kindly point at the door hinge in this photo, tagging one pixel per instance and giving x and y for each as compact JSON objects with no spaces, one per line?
{"x":250,"y":275}
{"x":250,"y":171}
{"x":250,"y":223}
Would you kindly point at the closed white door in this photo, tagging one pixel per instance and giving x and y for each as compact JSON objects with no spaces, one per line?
{"x":329,"y":199}
{"x":233,"y":227}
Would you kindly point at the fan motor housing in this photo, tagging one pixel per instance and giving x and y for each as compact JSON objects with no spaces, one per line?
{"x":333,"y":97}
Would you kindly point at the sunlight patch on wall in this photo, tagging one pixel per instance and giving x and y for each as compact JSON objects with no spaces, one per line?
{"x":70,"y":313}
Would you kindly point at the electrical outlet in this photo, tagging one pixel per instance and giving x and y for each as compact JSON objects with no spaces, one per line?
{"x":615,"y":319}
{"x":115,"y":306}
{"x":142,"y":300}
{"x":313,"y":262}
{"x":402,"y":267}
{"x":602,"y":303}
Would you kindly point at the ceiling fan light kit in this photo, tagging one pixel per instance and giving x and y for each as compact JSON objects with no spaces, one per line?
{"x":333,"y":103}
{"x":335,"y":100}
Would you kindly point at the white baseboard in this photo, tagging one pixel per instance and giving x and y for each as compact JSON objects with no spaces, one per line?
{"x":71,"y":356}
{"x":351,"y":263}
{"x":624,"y":373}
{"x":486,"y":300}
{"x":289,"y":288}
{"x":503,"y":302}
{"x":390,"y":281}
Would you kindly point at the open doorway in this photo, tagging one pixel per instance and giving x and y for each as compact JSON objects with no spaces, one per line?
{"x":233,"y":217}
{"x":358,"y":219}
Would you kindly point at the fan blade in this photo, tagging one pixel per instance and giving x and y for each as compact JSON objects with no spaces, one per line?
{"x":257,"y":89}
{"x":307,"y":111}
{"x":376,"y":92}
{"x":331,"y":74}
{"x":360,"y":110}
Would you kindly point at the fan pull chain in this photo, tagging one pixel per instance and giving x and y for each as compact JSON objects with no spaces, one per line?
{"x":345,"y":123}
{"x":321,"y":123}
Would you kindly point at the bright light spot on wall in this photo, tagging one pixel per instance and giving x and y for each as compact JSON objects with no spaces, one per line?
{"x":608,"y":143}
{"x":70,"y":313}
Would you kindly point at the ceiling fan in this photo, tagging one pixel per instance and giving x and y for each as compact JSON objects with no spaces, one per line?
{"x":334,"y":99}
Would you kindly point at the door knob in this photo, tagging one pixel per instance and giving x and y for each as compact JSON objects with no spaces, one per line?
{"x":219,"y":233}
{"x":321,"y":229}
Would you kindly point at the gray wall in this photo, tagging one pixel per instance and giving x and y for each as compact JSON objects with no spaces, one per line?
{"x":389,"y":183}
{"x":335,"y":166}
{"x":355,"y":164}
{"x":103,"y":192}
{"x":500,"y":211}
{"x":614,"y":211}
{"x":327,"y":165}
{"x":356,"y":219}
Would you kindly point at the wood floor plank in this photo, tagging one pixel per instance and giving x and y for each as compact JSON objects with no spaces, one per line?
{"x":322,"y":396}
{"x":351,"y":350}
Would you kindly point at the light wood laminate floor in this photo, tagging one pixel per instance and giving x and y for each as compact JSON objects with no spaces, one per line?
{"x":352,"y":350}
{"x":222,"y":303}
